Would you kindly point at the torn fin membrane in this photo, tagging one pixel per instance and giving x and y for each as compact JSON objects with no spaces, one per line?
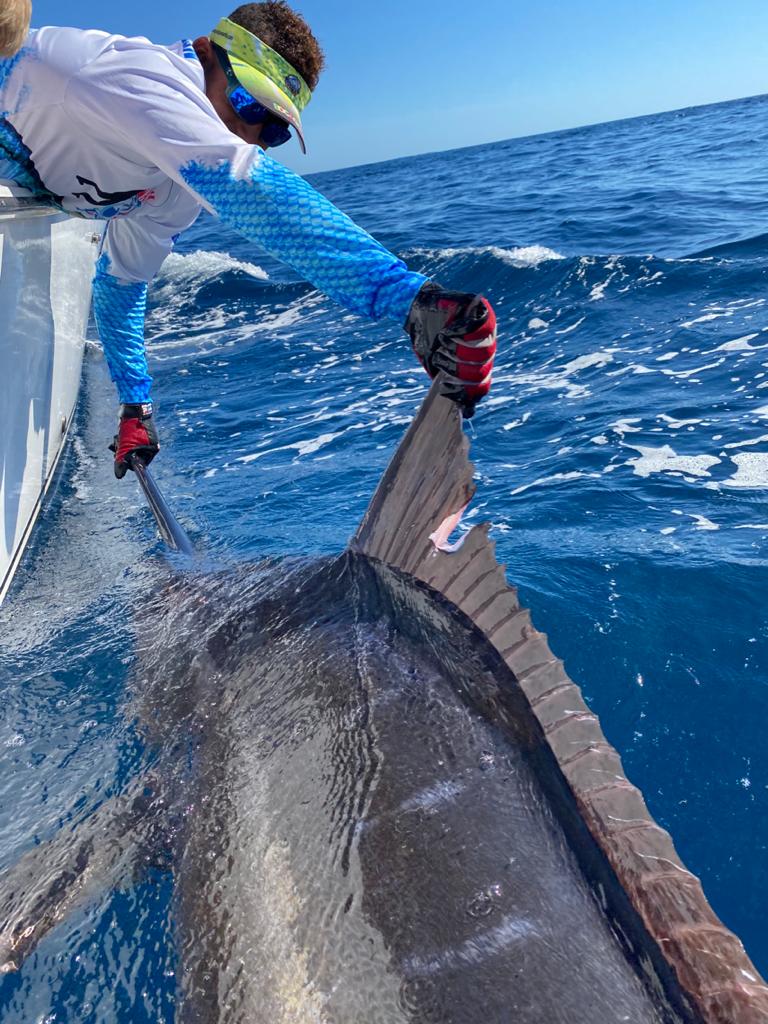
{"x":440,"y":537}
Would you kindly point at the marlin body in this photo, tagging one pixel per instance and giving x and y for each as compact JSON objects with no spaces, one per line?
{"x":361,"y":813}
{"x":365,"y":845}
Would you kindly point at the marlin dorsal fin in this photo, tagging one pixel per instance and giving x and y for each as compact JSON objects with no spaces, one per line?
{"x":700,"y":964}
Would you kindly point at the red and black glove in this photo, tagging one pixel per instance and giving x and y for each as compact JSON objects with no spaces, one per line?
{"x":136,"y":435}
{"x":455,"y":332}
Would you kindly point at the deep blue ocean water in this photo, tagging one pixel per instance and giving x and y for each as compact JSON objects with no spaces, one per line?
{"x":622,"y":460}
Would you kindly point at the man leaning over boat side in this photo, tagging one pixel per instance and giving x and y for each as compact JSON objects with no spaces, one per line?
{"x":14,"y":25}
{"x":145,"y":136}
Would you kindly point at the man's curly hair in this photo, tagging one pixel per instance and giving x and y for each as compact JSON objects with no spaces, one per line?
{"x":286,"y":32}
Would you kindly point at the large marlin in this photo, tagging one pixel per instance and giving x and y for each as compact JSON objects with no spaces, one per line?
{"x":383,"y":801}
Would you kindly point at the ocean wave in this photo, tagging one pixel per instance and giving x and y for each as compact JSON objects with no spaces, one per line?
{"x":202,"y":265}
{"x":193,"y":294}
{"x":752,"y":245}
{"x":520,"y":257}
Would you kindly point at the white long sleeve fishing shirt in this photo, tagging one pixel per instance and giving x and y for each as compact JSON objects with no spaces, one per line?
{"x":121,"y":129}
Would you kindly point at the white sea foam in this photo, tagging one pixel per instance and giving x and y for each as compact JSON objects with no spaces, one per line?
{"x":677,"y":424}
{"x":685,"y":374}
{"x":517,"y":423}
{"x":585,"y":361}
{"x":627,"y":426}
{"x":556,"y":478}
{"x":537,"y":324}
{"x":542,"y":381}
{"x":550,"y":378}
{"x":701,"y":522}
{"x":739,"y":344}
{"x":180,"y":280}
{"x":521,"y":257}
{"x":747,"y":444}
{"x":567,"y":330}
{"x":302,"y":447}
{"x":220,"y":327}
{"x":524,"y":256}
{"x":708,"y":317}
{"x":495,"y":400}
{"x":666,"y":460}
{"x":177,"y":285}
{"x":199,"y":267}
{"x":751,"y":471}
{"x":313,"y":444}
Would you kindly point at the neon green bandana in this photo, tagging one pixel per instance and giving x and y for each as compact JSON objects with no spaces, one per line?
{"x":263,"y":73}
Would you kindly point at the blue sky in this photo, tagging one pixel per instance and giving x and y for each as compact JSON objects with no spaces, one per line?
{"x":414,"y":76}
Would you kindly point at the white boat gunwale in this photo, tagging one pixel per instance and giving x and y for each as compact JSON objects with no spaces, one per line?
{"x":27,"y":532}
{"x":46,"y":266}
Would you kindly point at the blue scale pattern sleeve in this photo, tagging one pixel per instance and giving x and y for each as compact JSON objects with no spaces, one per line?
{"x":280,"y":211}
{"x":119,"y":308}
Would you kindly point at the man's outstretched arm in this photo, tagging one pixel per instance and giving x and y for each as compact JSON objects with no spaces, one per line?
{"x":450,"y":331}
{"x":285,"y":215}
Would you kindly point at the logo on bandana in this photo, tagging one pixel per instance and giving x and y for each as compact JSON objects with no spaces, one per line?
{"x":294,"y":85}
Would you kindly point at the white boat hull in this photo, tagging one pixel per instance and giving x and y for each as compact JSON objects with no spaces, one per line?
{"x":46,"y":267}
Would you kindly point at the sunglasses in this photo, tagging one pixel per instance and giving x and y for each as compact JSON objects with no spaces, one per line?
{"x":274,"y":131}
